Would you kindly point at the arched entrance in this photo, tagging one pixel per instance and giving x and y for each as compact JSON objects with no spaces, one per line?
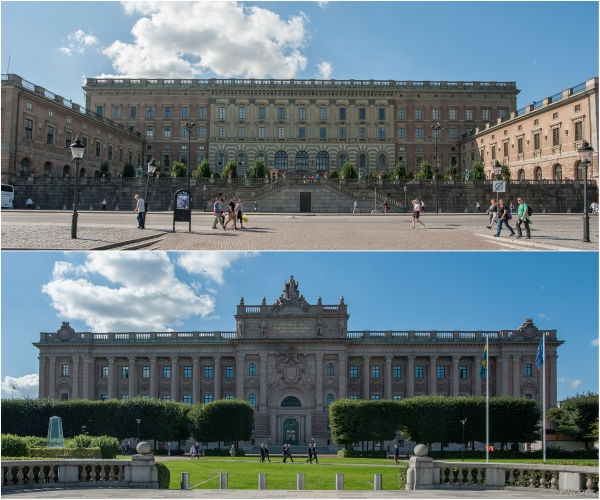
{"x":291,"y":431}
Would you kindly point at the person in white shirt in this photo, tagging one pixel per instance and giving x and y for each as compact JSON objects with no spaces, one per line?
{"x":141,"y":211}
{"x":416,"y":209}
{"x":356,"y":209}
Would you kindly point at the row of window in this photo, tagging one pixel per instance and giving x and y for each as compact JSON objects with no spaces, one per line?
{"x":183,"y":132}
{"x":435,"y":134}
{"x":166,"y":371}
{"x":281,"y":133}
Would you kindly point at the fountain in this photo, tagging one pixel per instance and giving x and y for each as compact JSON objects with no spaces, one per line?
{"x":55,"y":433}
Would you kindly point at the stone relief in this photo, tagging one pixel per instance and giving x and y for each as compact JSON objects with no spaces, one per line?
{"x":291,"y":368}
{"x":527,"y":330}
{"x":65,"y":332}
{"x":240,"y":328}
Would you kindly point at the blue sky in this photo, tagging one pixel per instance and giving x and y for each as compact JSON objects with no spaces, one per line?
{"x":384,"y":290}
{"x":544,"y":46}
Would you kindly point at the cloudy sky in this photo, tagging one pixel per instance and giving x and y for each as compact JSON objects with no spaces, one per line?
{"x":544,"y":46}
{"x":141,"y":291}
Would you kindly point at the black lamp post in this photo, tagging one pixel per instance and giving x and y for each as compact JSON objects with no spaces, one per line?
{"x":138,"y":420}
{"x":405,"y":190}
{"x":152,"y":166}
{"x":189,"y":126}
{"x":586,"y":153}
{"x":463,"y":422}
{"x":204,"y":203}
{"x":77,"y":151}
{"x":436,"y":127}
{"x":497,"y":168}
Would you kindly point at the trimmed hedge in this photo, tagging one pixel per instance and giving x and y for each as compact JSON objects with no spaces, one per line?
{"x":65,"y":453}
{"x":349,"y":453}
{"x":164,"y":475}
{"x":109,"y":446}
{"x":402,"y":472}
{"x":36,"y":442}
{"x":223,"y":452}
{"x":14,"y":446}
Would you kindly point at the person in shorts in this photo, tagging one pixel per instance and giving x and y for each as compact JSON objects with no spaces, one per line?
{"x":416,"y":210}
{"x":239,"y":213}
{"x":231,"y":212}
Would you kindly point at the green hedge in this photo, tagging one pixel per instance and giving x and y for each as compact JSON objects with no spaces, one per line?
{"x":349,"y":453}
{"x":65,"y":453}
{"x":402,"y":471}
{"x":109,"y":446}
{"x":506,"y":454}
{"x":14,"y":446}
{"x":223,"y":452}
{"x":164,"y":475}
{"x":36,"y":442}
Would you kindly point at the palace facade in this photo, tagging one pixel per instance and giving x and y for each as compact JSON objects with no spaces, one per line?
{"x":290,"y":360}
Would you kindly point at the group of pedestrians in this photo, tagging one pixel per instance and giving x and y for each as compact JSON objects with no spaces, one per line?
{"x":235,"y":212}
{"x":126,"y":448}
{"x":312,"y":453}
{"x":287,"y":453}
{"x":501,"y":214}
{"x":264,"y":452}
{"x":195,"y":451}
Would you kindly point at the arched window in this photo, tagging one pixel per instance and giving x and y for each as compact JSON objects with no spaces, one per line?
{"x":252,"y":369}
{"x":329,"y":399}
{"x":82,"y":172}
{"x":381,"y":162}
{"x":47,"y":169}
{"x":538,"y":173}
{"x":241,"y":161}
{"x":221,"y":161}
{"x":281,"y":160}
{"x":291,"y":401}
{"x":252,"y":399}
{"x":557,"y":172}
{"x":322,"y":160}
{"x":522,"y":174}
{"x":362,"y":161}
{"x":25,"y":167}
{"x":330,"y":369}
{"x":261,"y":157}
{"x":343,"y":159}
{"x":301,"y":160}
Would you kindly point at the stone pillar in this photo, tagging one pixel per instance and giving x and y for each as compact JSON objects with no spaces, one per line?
{"x":432,"y":375}
{"x":217,"y":376}
{"x":366,"y":377}
{"x":195,"y":379}
{"x":503,"y":360}
{"x":319,"y":382}
{"x":75,"y":378}
{"x":551,"y":400}
{"x":52,"y":378}
{"x":516,"y":376}
{"x":174,"y":379}
{"x":263,"y":381}
{"x":42,"y":377}
{"x":475,"y":377}
{"x":387,"y":383}
{"x":343,"y":376}
{"x":153,"y":377}
{"x":455,"y":376}
{"x":410,"y":377}
{"x":88,"y":362}
{"x":132,"y":377}
{"x":239,"y":374}
{"x":111,"y":378}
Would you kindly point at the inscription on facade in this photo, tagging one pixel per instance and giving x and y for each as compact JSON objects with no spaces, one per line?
{"x":290,"y":328}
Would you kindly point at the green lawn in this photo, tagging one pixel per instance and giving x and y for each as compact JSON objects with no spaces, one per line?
{"x":243,"y":473}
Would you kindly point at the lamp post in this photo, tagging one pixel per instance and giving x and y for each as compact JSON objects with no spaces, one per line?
{"x":189,"y":126}
{"x":77,"y":151}
{"x":138,"y":420}
{"x":204,"y":203}
{"x":152,"y":166}
{"x":497,"y":168}
{"x":405,"y":190}
{"x":14,"y":386}
{"x":436,"y":127}
{"x":586,"y":153}
{"x":463,"y":422}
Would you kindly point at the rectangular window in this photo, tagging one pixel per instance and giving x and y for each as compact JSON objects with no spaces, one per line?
{"x":64,"y":370}
{"x":435,"y":114}
{"x":124,"y":396}
{"x":221,"y":132}
{"x":342,"y":113}
{"x":468,"y":114}
{"x":453,"y":133}
{"x":375,"y":373}
{"x":84,"y":142}
{"x":116,"y":111}
{"x":281,"y":113}
{"x":103,"y":397}
{"x":166,"y":370}
{"x":242,"y":113}
{"x":418,"y":372}
{"x":145,"y":372}
{"x":381,"y":113}
{"x":418,"y":114}
{"x":485,"y":115}
{"x":222,"y":113}
{"x":505,"y":149}
{"x":462,"y":372}
{"x":228,"y":396}
{"x":502,"y":112}
{"x":110,"y":152}
{"x":555,"y":136}
{"x":185,"y":112}
{"x":302,"y":133}
{"x":362,"y":132}
{"x":165,"y":397}
{"x":202,"y":131}
{"x":578,"y":131}
{"x":124,"y":372}
{"x":419,"y":133}
{"x":520,"y":145}
{"x":184,"y":133}
{"x":452,"y":114}
{"x":322,"y":113}
{"x":187,"y":372}
{"x":362,"y":113}
{"x":261,"y":132}
{"x":132,"y":128}
{"x":208,"y":398}
{"x":104,"y":372}
{"x":68,"y":139}
{"x":167,"y":112}
{"x":342,"y":132}
{"x":375,"y":396}
{"x":529,"y":396}
{"x":149,"y":131}
{"x":167,"y":131}
{"x":381,"y":133}
{"x":493,"y":152}
{"x":99,"y":110}
{"x":187,"y":399}
{"x":208,"y":372}
{"x":536,"y":141}
{"x":353,"y":396}
{"x":29,"y":130}
{"x":528,"y":369}
{"x":261,"y":113}
{"x":150,"y":112}
{"x":132,"y":111}
{"x":229,"y":372}
{"x":402,"y":114}
{"x":202,"y":113}
{"x":401,"y":133}
{"x":49,"y":135}
{"x":281,"y":132}
{"x":322,"y":133}
{"x":354,"y":372}
{"x":242,"y":133}
{"x":441,"y":372}
{"x":397,"y":397}
{"x":302,"y":114}
{"x":397,"y":372}
{"x":29,"y":105}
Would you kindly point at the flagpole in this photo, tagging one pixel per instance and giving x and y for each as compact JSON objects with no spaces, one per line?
{"x":487,"y":398}
{"x":544,"y":394}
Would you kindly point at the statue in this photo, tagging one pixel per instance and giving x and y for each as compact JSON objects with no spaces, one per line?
{"x":263,"y":328}
{"x":362,"y":173}
{"x":240,"y":328}
{"x":248,"y":173}
{"x":139,"y":172}
{"x":342,"y":328}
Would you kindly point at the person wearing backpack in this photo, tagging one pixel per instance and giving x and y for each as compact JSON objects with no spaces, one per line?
{"x":217,"y":213}
{"x":503,"y":218}
{"x":523,"y":212}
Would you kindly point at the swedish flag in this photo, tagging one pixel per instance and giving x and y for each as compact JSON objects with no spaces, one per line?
{"x":483,"y":369}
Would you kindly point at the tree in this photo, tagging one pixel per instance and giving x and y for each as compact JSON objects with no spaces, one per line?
{"x":478,"y":171}
{"x":204,"y":170}
{"x":334,"y":175}
{"x":344,"y":420}
{"x":221,"y":420}
{"x":399,"y":172}
{"x":577,"y":417}
{"x":426,"y":171}
{"x":104,"y":167}
{"x":451,"y":171}
{"x":231,"y":166}
{"x":258,"y":169}
{"x":505,"y":172}
{"x":128,"y":170}
{"x":348,"y":171}
{"x":179,"y":169}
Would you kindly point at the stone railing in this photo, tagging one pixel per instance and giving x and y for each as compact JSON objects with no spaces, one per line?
{"x":139,"y":472}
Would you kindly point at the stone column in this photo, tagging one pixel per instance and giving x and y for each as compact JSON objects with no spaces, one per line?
{"x":343,"y":376}
{"x":319,"y":382}
{"x":88,"y":362}
{"x":516,"y":376}
{"x":174,"y":379}
{"x":75,"y":378}
{"x":503,"y":360}
{"x":387,"y":383}
{"x":195,"y":379}
{"x":432,"y":375}
{"x":153,"y":377}
{"x":217,"y":376}
{"x":366,"y":377}
{"x":42,"y":377}
{"x":52,"y":378}
{"x":475,"y":377}
{"x":263,"y":381}
{"x":239,"y":372}
{"x":111,"y":378}
{"x":410,"y":377}
{"x":455,"y":376}
{"x":551,"y":400}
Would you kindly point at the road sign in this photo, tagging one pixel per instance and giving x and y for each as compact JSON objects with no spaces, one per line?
{"x":499,"y":186}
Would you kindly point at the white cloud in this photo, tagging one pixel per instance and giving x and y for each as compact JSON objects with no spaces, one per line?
{"x":78,"y":41}
{"x":143,"y":295}
{"x":543,"y":316}
{"x":325,"y":70}
{"x":322,"y":4}
{"x":210,"y":264}
{"x":27,"y":385}
{"x":595,"y":342}
{"x":543,"y":287}
{"x":574,"y":383}
{"x":188,"y":39}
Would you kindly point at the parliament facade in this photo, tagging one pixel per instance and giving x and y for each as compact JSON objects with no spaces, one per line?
{"x":290,"y":360}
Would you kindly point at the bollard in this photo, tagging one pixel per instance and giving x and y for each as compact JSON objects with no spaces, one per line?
{"x":223,"y":480}
{"x":377,"y":482}
{"x":262,"y":481}
{"x":116,"y":208}
{"x":185,"y":480}
{"x":300,"y":482}
{"x":64,"y":207}
{"x":339,"y":482}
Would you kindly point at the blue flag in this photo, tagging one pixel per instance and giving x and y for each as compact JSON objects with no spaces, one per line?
{"x":539,"y":358}
{"x":483,"y":369}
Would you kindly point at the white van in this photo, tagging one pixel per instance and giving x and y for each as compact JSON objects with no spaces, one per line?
{"x":8,"y":195}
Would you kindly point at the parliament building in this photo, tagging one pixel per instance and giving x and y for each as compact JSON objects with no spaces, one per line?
{"x":290,"y":360}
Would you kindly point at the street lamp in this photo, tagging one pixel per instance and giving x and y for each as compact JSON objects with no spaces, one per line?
{"x":189,"y":126}
{"x":77,"y":151}
{"x":436,"y":127}
{"x":463,"y":422}
{"x":14,"y":386}
{"x":497,"y":168}
{"x":586,"y":153}
{"x":152,"y":166}
{"x":138,"y":420}
{"x":204,"y":203}
{"x":405,"y":190}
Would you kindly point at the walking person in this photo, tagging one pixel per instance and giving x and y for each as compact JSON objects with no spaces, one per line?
{"x":222,"y":211}
{"x":289,"y":453}
{"x":315,"y":453}
{"x":262,"y":452}
{"x":232,"y":452}
{"x":477,"y":208}
{"x":503,"y":218}
{"x":396,"y":454}
{"x":523,"y":218}
{"x":103,"y":203}
{"x":422,"y":206}
{"x":239,"y":212}
{"x":29,"y":203}
{"x":128,"y":448}
{"x":385,"y":206}
{"x":123,"y":448}
{"x":493,"y":213}
{"x":284,"y":453}
{"x":512,"y":208}
{"x":141,"y":210}
{"x":197,"y":447}
{"x":231,"y":212}
{"x":309,"y":453}
{"x":192,"y":452}
{"x":417,"y":207}
{"x":356,"y":209}
{"x":217,"y":214}
{"x":267,"y":452}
